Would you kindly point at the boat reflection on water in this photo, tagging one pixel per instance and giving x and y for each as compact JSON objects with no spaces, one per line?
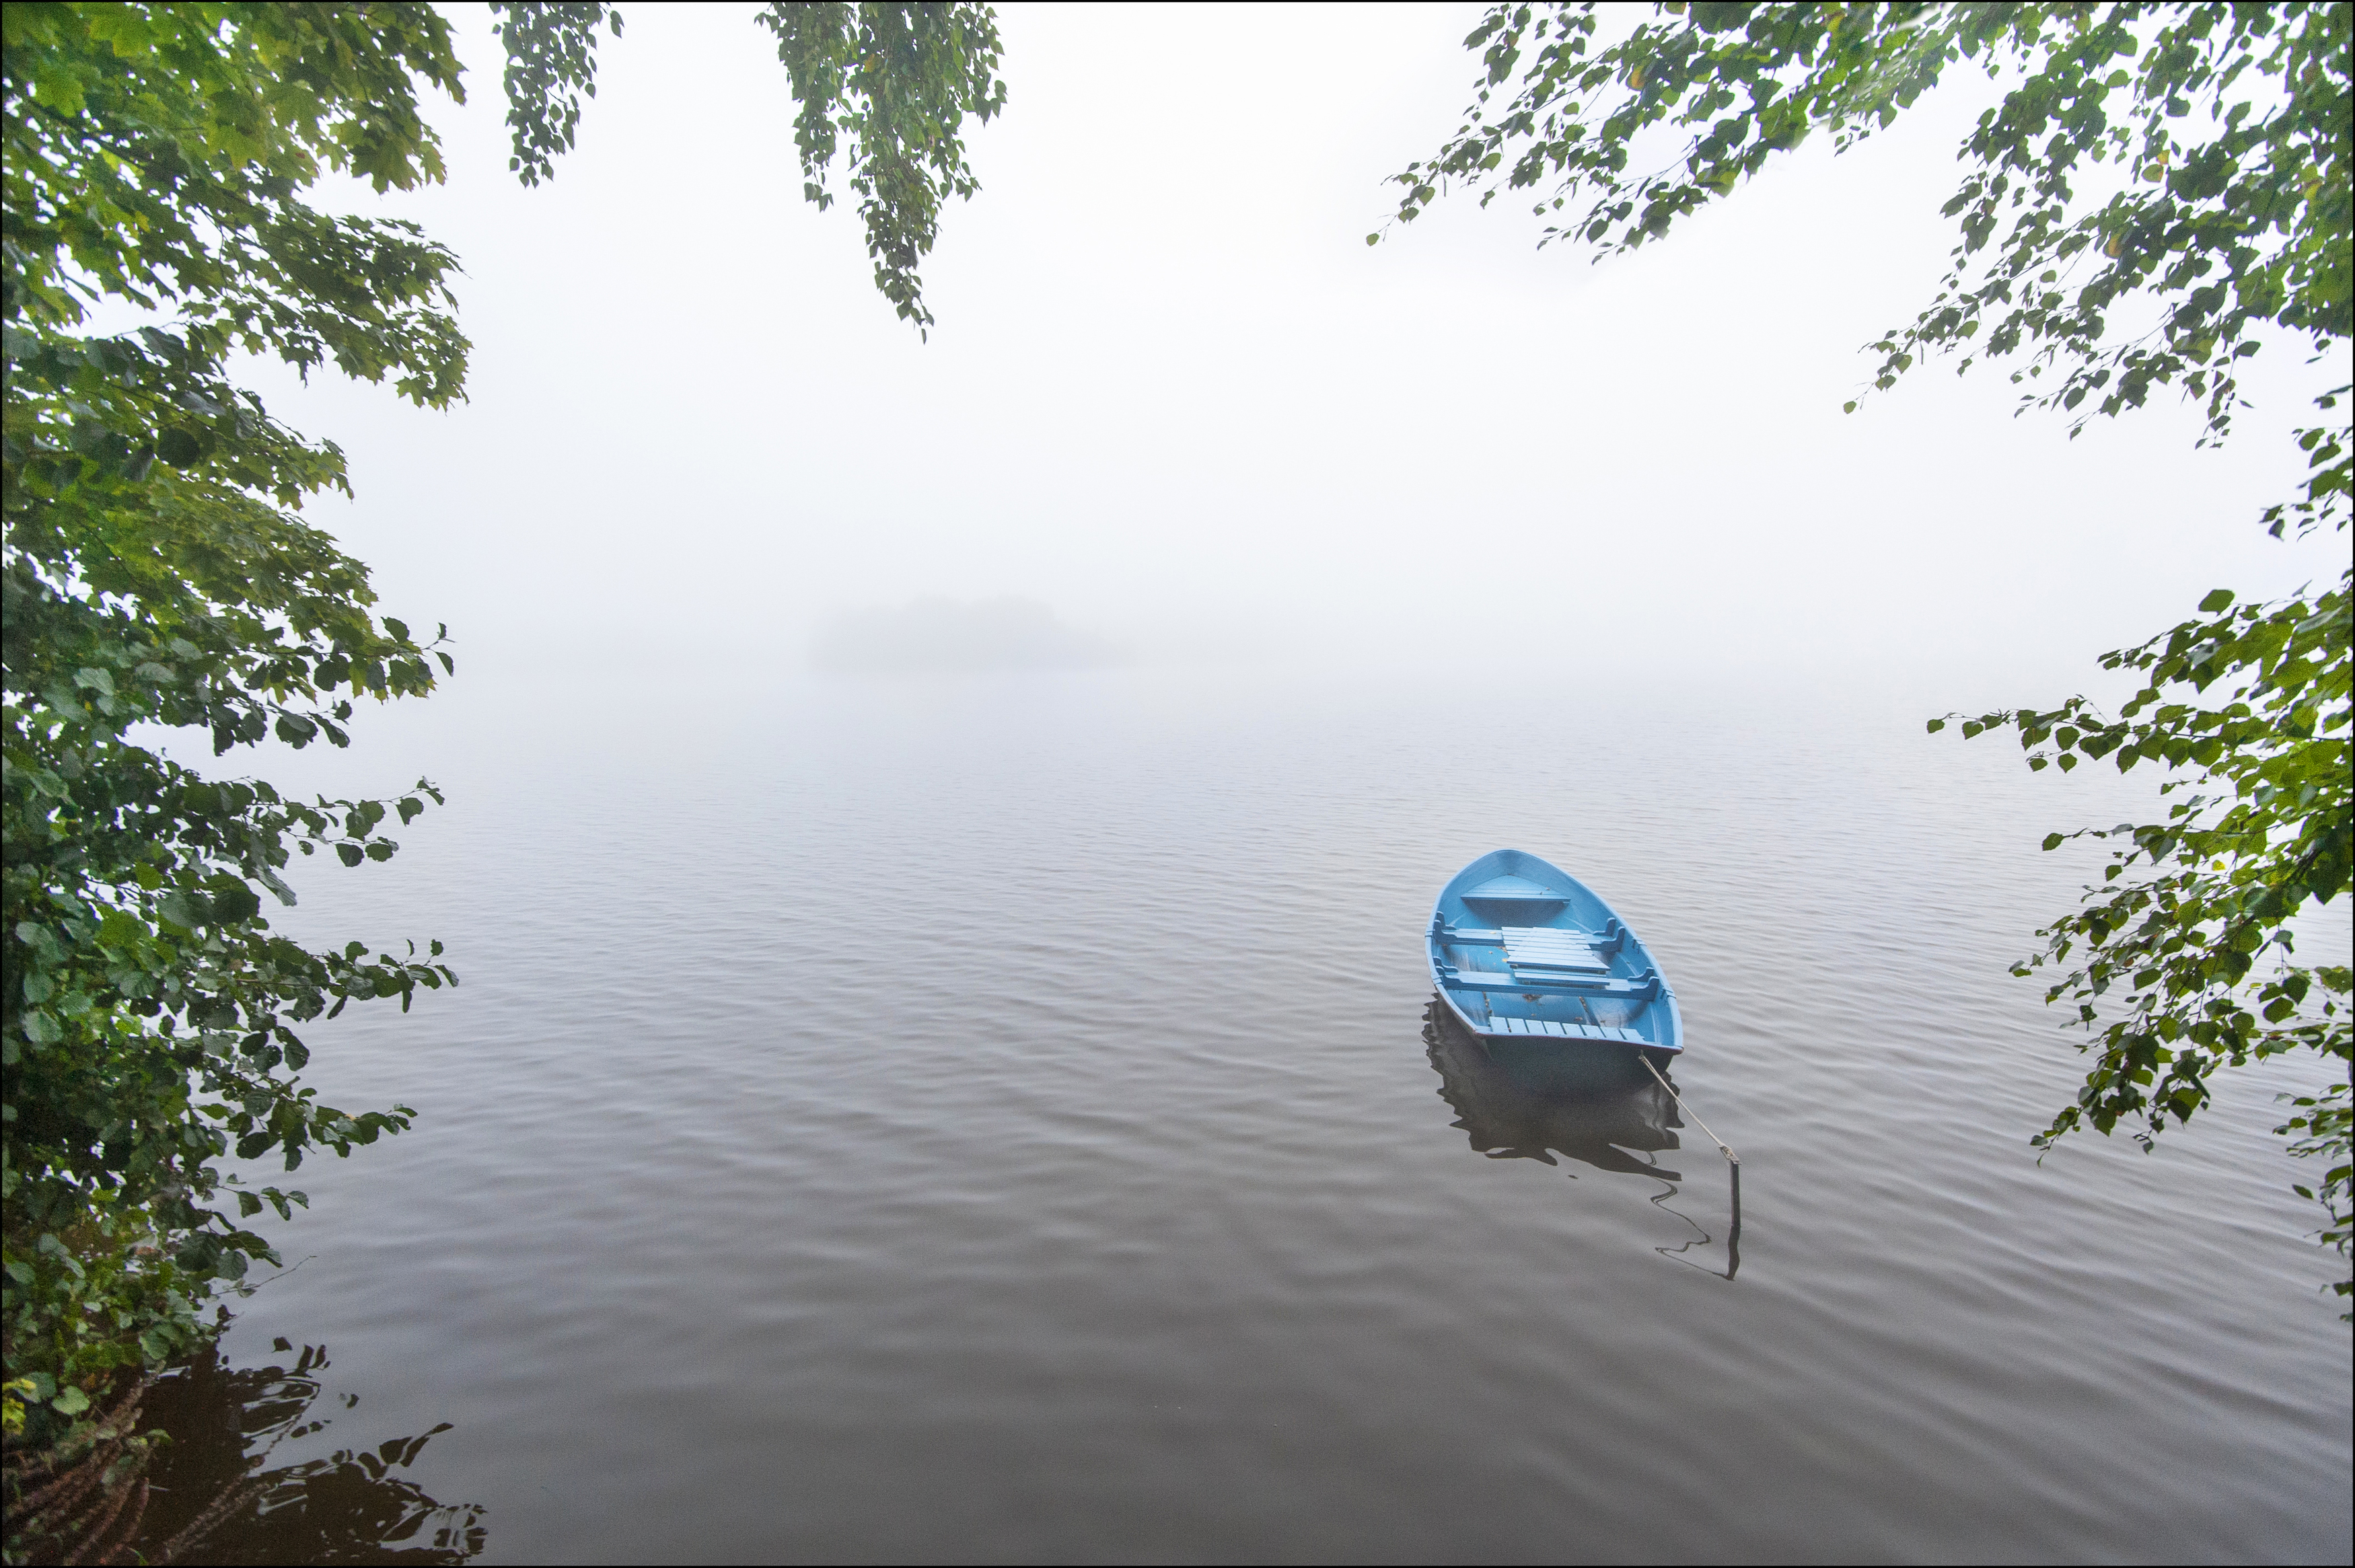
{"x":1535,"y":1100}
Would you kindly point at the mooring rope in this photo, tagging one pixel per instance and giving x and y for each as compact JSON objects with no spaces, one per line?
{"x":1723,"y":1147}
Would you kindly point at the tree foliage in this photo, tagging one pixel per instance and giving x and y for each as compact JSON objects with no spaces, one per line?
{"x":551,"y":65}
{"x":893,"y":82}
{"x":2162,"y":190}
{"x":159,"y":571}
{"x":2260,"y":828}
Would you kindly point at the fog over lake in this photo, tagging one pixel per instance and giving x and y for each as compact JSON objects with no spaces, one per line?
{"x":1008,"y":633}
{"x":1176,"y":399}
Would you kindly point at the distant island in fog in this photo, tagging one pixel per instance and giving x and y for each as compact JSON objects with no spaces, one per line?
{"x":941,"y":634}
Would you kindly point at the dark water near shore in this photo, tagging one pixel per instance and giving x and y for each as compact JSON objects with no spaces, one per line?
{"x":996,"y":1120}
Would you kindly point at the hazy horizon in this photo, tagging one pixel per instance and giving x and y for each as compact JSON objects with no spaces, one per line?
{"x":1175,"y":400}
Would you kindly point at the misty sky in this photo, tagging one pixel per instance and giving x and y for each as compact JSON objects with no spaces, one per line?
{"x":1173,"y":396}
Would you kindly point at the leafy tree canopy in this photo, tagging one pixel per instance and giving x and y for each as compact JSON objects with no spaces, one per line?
{"x":895,"y":81}
{"x":158,"y":571}
{"x":2187,"y":165}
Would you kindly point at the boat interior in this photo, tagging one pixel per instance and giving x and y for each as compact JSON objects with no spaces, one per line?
{"x":1522,"y":948}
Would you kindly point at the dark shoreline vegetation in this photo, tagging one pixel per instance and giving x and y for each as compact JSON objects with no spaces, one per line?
{"x":159,"y":571}
{"x":177,"y":1469}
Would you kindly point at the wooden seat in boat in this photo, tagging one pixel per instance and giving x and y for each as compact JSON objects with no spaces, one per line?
{"x":1547,"y":1028}
{"x":1511,"y":890}
{"x":1548,"y":947}
{"x":1554,"y":983}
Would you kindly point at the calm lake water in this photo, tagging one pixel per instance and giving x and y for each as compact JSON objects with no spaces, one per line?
{"x":997,"y":1119}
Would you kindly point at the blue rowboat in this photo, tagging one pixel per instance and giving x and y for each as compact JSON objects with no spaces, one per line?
{"x":1523,"y":950}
